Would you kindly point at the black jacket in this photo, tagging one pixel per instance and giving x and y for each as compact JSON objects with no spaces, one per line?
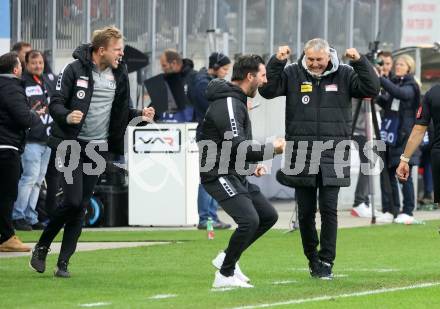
{"x":15,"y":114}
{"x":407,"y":91}
{"x":428,"y":114}
{"x":179,"y":84}
{"x":74,"y":91}
{"x":197,"y":93}
{"x":38,"y":96}
{"x":227,"y":114}
{"x":320,"y":110}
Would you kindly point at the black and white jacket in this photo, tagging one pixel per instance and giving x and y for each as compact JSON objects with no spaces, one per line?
{"x":74,"y":91}
{"x":227,"y":123}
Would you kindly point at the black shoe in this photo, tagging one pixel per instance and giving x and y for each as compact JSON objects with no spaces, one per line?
{"x":219,"y":225}
{"x":326,"y":271}
{"x":22,"y":225}
{"x":38,"y":259}
{"x":321,"y":270}
{"x":315,"y":268}
{"x":61,"y":270}
{"x":38,"y":226}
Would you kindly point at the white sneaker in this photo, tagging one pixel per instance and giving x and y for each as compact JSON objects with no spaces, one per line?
{"x":404,"y":219}
{"x":385,"y":218}
{"x":221,"y":281}
{"x":378,"y":213}
{"x":362,"y":211}
{"x":218,"y":262}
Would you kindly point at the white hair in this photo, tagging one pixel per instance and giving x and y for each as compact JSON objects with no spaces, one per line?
{"x":317,"y":45}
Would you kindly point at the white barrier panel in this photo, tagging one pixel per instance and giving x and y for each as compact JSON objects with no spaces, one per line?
{"x":163,"y":175}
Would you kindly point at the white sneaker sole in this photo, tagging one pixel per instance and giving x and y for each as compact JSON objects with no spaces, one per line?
{"x":217,"y":265}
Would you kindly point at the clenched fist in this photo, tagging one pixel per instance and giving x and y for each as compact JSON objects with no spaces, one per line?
{"x":148,"y":114}
{"x":402,"y":171}
{"x":283,"y":53}
{"x":74,"y":117}
{"x":279,"y":144}
{"x":260,"y":170}
{"x":352,"y":54}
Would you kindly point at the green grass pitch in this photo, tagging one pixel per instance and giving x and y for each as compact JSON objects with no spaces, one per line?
{"x":370,"y":260}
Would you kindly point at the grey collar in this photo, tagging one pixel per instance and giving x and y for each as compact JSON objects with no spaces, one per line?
{"x":9,"y":75}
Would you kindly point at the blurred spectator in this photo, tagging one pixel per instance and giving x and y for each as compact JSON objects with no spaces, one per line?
{"x":36,"y":154}
{"x":219,"y":66}
{"x":177,"y":74}
{"x":22,"y":48}
{"x":400,"y":103}
{"x":15,"y":118}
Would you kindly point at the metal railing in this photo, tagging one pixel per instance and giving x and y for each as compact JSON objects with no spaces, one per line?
{"x":257,"y":26}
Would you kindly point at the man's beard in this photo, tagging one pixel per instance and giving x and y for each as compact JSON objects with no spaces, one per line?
{"x":252,"y":91}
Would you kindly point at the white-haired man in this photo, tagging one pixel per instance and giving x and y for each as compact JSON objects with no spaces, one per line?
{"x":318,"y":92}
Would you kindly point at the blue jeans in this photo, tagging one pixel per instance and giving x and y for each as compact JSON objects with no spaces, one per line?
{"x":186,"y":115}
{"x":207,"y":206}
{"x":34,"y":161}
{"x":407,"y":192}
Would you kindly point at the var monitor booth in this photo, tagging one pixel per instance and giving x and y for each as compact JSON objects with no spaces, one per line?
{"x":163,"y":169}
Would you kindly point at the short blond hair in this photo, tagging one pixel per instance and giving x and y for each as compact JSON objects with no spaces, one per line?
{"x":101,"y":37}
{"x":409,"y":61}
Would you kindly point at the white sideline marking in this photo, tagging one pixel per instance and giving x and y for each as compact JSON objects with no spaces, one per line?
{"x":162,"y":296}
{"x":95,"y":304}
{"x":222,"y":289}
{"x":340,"y":276}
{"x":330,"y":297}
{"x":284,"y":282}
{"x":374,"y":270}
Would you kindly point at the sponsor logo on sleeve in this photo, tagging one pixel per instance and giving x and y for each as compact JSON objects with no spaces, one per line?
{"x":81,"y":94}
{"x":82,"y":83}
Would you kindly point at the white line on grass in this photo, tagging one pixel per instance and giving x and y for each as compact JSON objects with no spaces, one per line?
{"x":222,"y":289}
{"x":329,"y":297}
{"x":373,"y":270}
{"x":284,"y":282}
{"x":162,"y":296}
{"x":95,"y":304}
{"x":376,"y":270}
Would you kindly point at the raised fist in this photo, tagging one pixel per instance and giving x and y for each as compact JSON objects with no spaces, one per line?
{"x":283,"y":52}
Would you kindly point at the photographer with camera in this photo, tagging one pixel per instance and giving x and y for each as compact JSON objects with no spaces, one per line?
{"x":385,"y":64}
{"x":36,"y":154}
{"x":400,"y":102}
